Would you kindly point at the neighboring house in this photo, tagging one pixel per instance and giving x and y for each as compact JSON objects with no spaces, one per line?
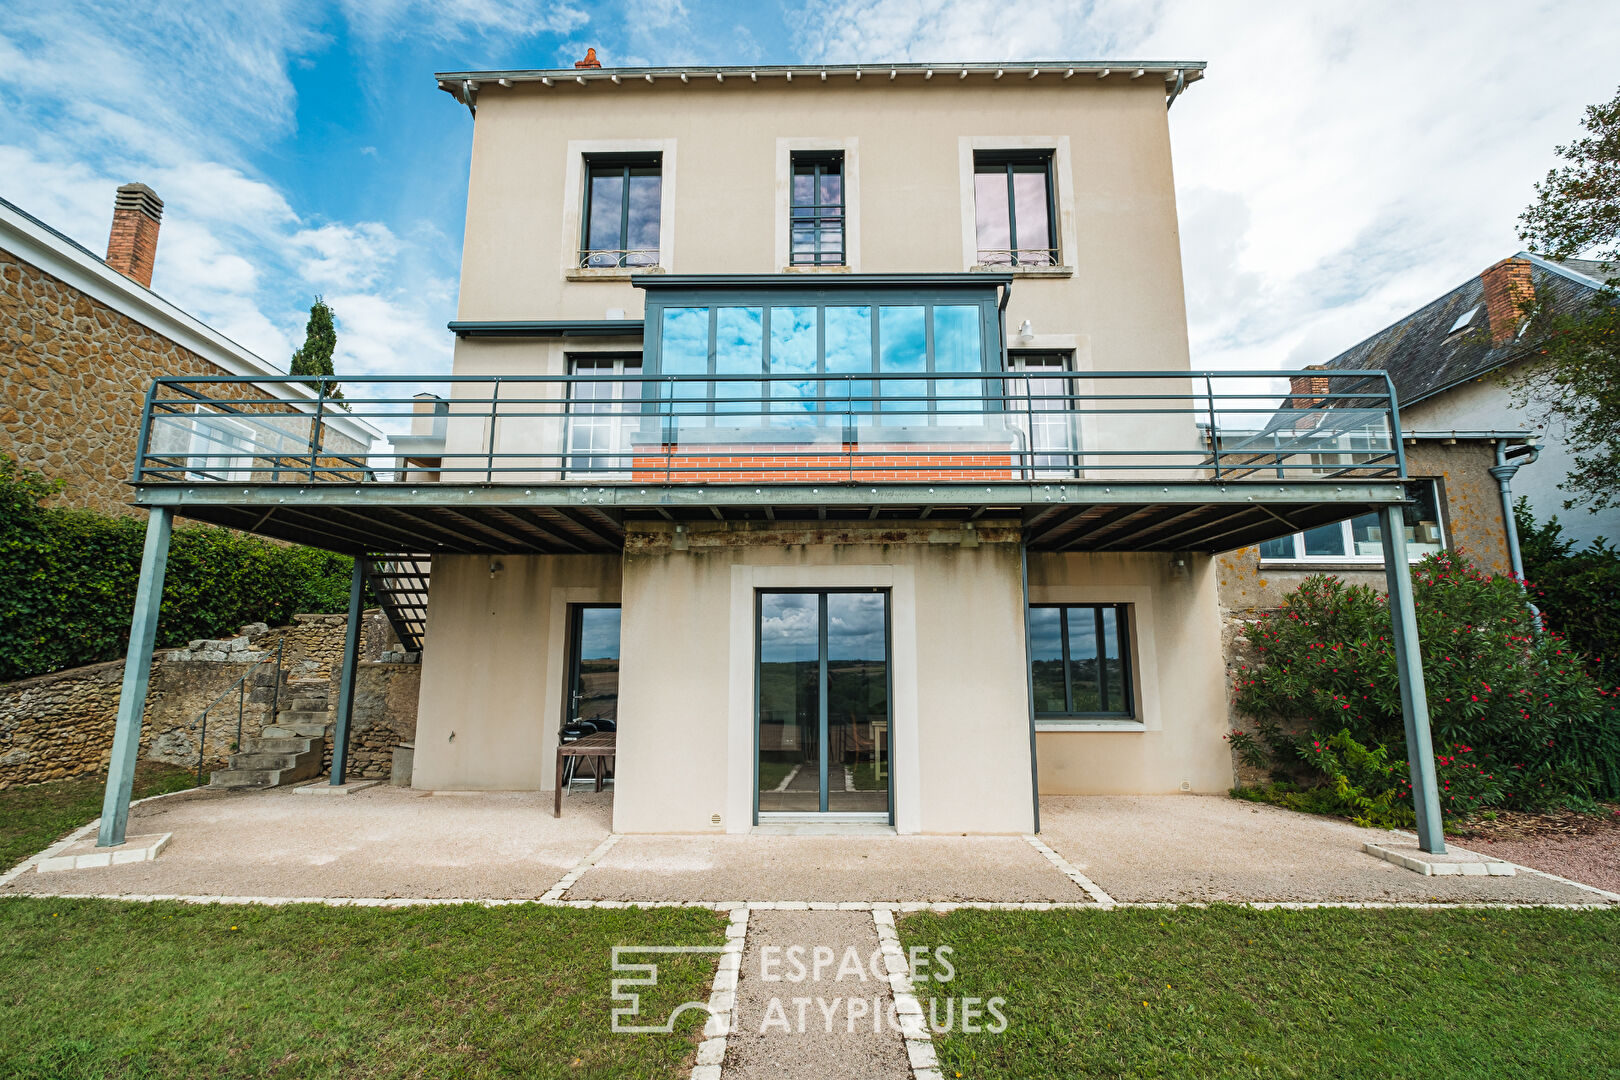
{"x":1453,"y":359}
{"x":81,"y":340}
{"x":1456,"y":503}
{"x":829,"y":433}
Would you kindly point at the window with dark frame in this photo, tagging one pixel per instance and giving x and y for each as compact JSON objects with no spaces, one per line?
{"x":816,"y":213}
{"x":1080,"y":662}
{"x":1360,"y":540}
{"x":623,"y":202}
{"x":1014,"y":209}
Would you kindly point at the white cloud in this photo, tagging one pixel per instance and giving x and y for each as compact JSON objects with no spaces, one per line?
{"x":181,"y":98}
{"x":1340,"y":166}
{"x":454,"y":19}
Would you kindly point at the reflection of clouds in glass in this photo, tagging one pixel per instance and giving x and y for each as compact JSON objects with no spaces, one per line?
{"x":1046,"y":634}
{"x":684,"y":349}
{"x":646,"y":192}
{"x":990,"y":210}
{"x":739,"y":341}
{"x":789,"y":627}
{"x":599,"y":634}
{"x":849,"y":339}
{"x":739,"y":350}
{"x":607,"y":203}
{"x":1029,"y":195}
{"x":902,"y":339}
{"x":855,"y":626}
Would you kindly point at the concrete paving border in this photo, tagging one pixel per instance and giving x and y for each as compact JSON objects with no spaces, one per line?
{"x":79,"y":834}
{"x":905,"y":907}
{"x":1612,"y":897}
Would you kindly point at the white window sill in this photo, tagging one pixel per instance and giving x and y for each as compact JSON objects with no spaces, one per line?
{"x":1316,"y":565}
{"x":1027,"y":271}
{"x":1089,"y":725}
{"x":610,"y":273}
{"x":825,"y":268}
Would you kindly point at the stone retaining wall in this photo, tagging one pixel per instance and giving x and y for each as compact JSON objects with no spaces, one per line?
{"x":60,"y":725}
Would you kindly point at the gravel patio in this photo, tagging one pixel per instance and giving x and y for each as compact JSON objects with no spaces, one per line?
{"x":393,"y":843}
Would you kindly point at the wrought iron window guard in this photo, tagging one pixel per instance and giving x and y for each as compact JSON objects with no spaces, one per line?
{"x":617,"y":258}
{"x":1027,"y":257}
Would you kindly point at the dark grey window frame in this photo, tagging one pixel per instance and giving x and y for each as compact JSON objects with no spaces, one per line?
{"x":985,"y":297}
{"x":625,"y":163}
{"x":1127,"y":668}
{"x":819,"y":162}
{"x":822,"y":720}
{"x":989,"y":161}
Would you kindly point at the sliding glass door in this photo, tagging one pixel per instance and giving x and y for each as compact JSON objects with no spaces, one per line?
{"x":823,"y":724}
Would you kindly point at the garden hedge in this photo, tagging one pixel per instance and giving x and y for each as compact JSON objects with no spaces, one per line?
{"x":67,"y":580}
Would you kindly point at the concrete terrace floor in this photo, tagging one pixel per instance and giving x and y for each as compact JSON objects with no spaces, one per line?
{"x":403,"y":844}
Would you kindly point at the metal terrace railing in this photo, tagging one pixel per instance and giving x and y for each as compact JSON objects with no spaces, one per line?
{"x":939,"y":426}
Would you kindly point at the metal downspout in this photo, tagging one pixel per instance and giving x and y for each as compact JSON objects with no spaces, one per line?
{"x":1029,"y":681}
{"x":1181,"y":84}
{"x":1504,"y":471}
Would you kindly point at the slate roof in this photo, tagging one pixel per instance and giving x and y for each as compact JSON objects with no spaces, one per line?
{"x":1425,"y":356}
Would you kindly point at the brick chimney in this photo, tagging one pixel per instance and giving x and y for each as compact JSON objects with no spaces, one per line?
{"x":1307,"y":389}
{"x":1508,"y":294}
{"x":590,"y":60}
{"x":132,"y":247}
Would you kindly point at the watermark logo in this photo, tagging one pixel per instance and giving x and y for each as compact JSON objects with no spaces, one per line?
{"x":859,"y":997}
{"x":627,"y":1003}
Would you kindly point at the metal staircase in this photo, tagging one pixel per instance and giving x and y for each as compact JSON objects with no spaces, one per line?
{"x":401,"y":587}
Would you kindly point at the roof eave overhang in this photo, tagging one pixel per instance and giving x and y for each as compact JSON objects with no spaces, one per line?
{"x":1174,"y":74}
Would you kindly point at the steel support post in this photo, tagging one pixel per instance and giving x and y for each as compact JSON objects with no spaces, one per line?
{"x":351,"y":657}
{"x":137,"y":673}
{"x":1414,"y":696}
{"x":1029,"y":689}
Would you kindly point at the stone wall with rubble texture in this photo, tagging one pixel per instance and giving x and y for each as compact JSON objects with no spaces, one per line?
{"x":60,"y":725}
{"x":73,"y":380}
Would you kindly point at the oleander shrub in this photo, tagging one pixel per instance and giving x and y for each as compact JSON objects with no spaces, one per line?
{"x":68,"y":576}
{"x":1517,"y":718}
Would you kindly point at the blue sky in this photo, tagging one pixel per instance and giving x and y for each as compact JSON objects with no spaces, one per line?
{"x":1341,"y":165}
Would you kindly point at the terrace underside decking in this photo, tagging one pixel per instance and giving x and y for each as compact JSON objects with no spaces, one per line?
{"x":1169,"y":515}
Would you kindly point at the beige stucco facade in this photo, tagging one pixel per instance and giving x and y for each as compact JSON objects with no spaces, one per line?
{"x":1174,"y":743}
{"x":493,"y":681}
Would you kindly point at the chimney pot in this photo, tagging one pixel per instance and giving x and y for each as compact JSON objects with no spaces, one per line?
{"x":590,"y":60}
{"x":132,"y":244}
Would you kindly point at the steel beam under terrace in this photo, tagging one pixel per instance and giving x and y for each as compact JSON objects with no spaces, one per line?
{"x":541,"y":520}
{"x":554,"y":464}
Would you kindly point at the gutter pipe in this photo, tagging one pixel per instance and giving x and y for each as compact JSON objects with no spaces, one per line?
{"x":1504,"y":471}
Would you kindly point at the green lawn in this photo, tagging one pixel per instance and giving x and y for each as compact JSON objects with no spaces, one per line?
{"x":34,"y":817}
{"x":1231,"y":992}
{"x":108,"y":989}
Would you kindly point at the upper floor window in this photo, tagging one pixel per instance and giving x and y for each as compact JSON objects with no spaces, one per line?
{"x":1014,"y":208}
{"x":1360,"y":539}
{"x":817,"y":209}
{"x":623,"y":197}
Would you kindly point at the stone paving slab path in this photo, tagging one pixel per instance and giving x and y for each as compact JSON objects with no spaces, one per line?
{"x":834,"y":1022}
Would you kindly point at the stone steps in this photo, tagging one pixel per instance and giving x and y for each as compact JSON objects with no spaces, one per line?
{"x":264,"y":768}
{"x":295,"y":731}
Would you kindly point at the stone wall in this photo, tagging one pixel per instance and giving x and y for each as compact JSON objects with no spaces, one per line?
{"x":73,"y":380}
{"x":60,"y":725}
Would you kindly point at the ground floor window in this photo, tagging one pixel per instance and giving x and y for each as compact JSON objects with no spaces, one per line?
{"x":1360,"y":539}
{"x":1080,"y":660}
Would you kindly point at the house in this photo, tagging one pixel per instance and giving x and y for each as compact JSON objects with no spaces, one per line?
{"x":84,"y":338}
{"x":828,"y":435}
{"x":1452,"y":362}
